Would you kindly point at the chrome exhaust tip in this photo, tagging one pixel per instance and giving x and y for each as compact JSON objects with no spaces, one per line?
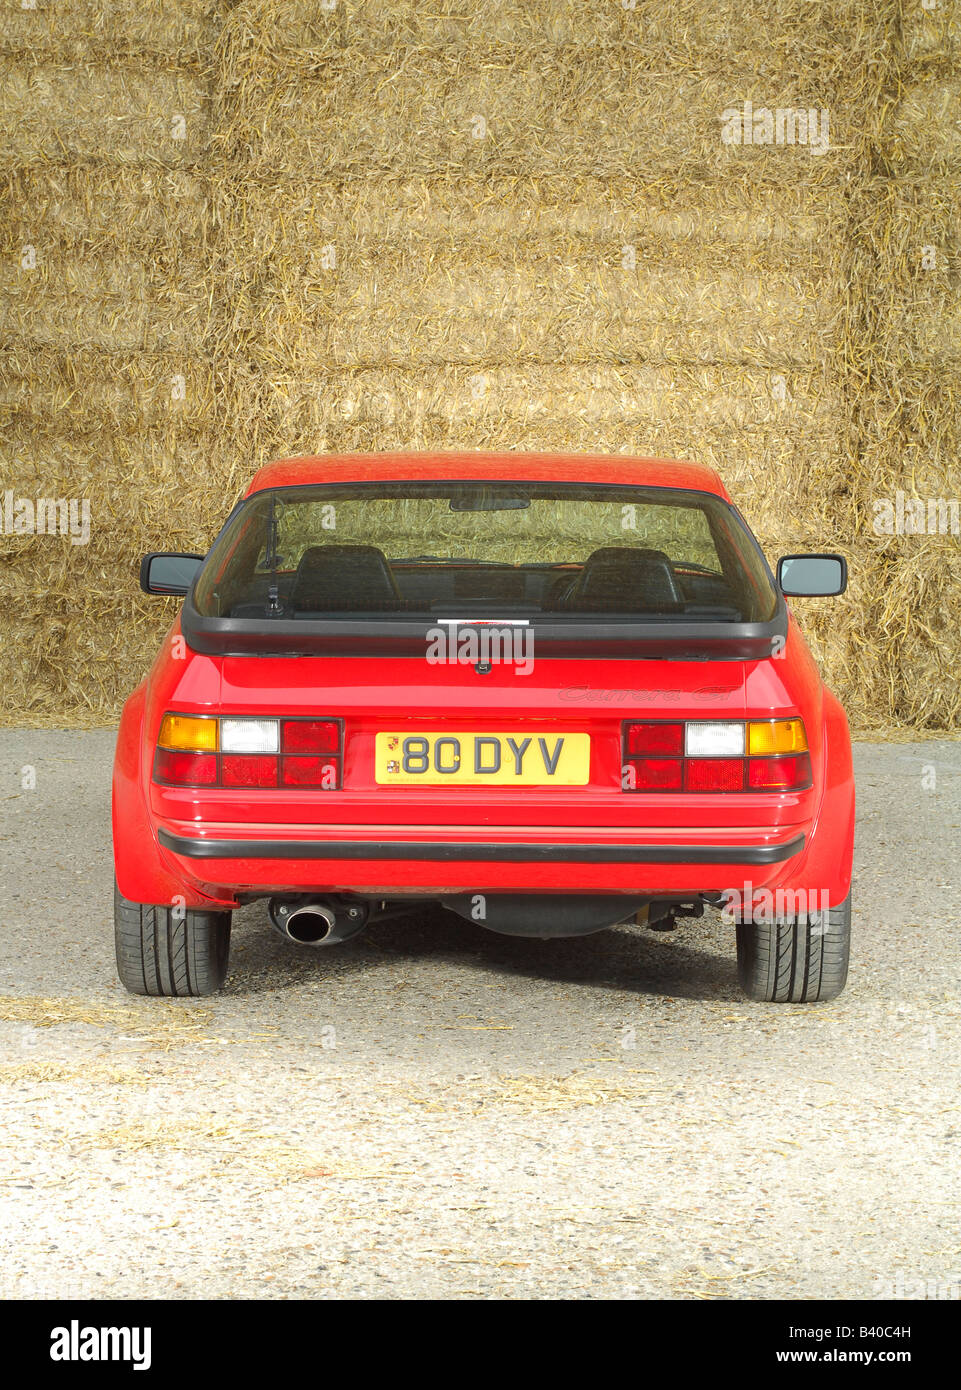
{"x":318,"y":922}
{"x":311,"y":925}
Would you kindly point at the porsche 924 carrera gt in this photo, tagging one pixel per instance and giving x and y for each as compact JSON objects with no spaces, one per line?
{"x":552,"y":694}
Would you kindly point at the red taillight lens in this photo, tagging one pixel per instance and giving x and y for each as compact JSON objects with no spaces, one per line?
{"x":248,"y":770}
{"x":655,"y":774}
{"x":654,"y":738}
{"x":310,"y":736}
{"x":780,"y":774}
{"x":311,"y":749}
{"x":310,"y":772}
{"x":714,"y":775}
{"x":185,"y":769}
{"x":310,"y":752}
{"x":722,"y":755}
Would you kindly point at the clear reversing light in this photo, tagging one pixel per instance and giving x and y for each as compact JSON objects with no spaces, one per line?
{"x":250,"y":735}
{"x":722,"y":738}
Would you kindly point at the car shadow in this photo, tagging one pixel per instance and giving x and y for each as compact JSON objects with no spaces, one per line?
{"x":632,"y":959}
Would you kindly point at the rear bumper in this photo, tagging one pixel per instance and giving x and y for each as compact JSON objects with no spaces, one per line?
{"x":482,"y":852}
{"x":220,"y":861}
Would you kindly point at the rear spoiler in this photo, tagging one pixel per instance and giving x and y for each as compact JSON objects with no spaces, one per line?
{"x":666,"y":638}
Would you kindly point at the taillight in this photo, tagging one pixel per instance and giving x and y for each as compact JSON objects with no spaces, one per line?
{"x":716,"y":755}
{"x":311,"y":736}
{"x":186,"y":753}
{"x":248,"y":770}
{"x":654,"y":738}
{"x":312,"y":753}
{"x":779,"y":774}
{"x":714,"y":775}
{"x":185,"y":769}
{"x":192,"y":733}
{"x":310,"y":772}
{"x":656,"y":774}
{"x":768,"y":736}
{"x":249,"y":753}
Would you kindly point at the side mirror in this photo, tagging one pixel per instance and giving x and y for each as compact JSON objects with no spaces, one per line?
{"x":812,"y":576}
{"x":165,"y":572}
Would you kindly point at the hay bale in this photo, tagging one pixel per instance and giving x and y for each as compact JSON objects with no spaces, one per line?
{"x":732,"y":417}
{"x":545,"y":312}
{"x":48,"y":395}
{"x":927,"y":129}
{"x":53,"y":112}
{"x":151,"y":32}
{"x":135,"y":301}
{"x":933,"y":36}
{"x":108,"y":205}
{"x":183,"y":321}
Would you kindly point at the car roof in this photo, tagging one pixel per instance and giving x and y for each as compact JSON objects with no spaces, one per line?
{"x":580,"y":468}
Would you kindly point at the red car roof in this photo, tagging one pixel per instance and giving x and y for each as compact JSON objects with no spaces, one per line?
{"x":581,"y":468}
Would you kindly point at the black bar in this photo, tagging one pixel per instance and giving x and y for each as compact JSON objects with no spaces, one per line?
{"x":246,"y":1338}
{"x":487,"y":853}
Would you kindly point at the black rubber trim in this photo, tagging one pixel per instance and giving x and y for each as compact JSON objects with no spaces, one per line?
{"x":372,"y":637}
{"x":481,"y":852}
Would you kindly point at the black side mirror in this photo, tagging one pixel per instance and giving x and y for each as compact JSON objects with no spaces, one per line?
{"x":812,"y":576}
{"x":166,"y":572}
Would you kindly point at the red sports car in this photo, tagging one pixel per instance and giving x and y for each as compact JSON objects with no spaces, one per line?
{"x":552,"y":694}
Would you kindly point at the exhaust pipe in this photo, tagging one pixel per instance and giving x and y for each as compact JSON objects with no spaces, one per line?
{"x":311,"y":924}
{"x":317,"y":922}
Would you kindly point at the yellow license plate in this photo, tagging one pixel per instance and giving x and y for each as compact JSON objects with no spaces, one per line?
{"x":435,"y":758}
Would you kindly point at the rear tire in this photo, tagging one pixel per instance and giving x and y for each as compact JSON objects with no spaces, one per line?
{"x":172,"y":952}
{"x":798,"y":963}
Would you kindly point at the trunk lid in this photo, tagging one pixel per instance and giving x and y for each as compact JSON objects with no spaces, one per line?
{"x":558,"y":698}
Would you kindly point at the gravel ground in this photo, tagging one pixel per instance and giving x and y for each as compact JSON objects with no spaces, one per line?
{"x":433,"y":1110}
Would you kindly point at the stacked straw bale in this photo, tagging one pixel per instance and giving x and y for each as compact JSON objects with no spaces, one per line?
{"x":264,"y":229}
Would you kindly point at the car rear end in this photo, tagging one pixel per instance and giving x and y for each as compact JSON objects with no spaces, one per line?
{"x":549,"y":704}
{"x":656,"y":789}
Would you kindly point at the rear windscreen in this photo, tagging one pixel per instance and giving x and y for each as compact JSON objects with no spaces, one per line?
{"x":496,"y":550}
